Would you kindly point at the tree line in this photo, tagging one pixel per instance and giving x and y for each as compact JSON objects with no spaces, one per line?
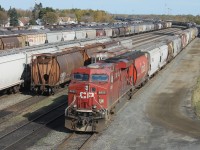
{"x":48,"y":15}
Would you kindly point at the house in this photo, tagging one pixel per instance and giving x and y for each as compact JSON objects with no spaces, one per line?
{"x":69,"y":19}
{"x":39,"y":22}
{"x":23,"y":21}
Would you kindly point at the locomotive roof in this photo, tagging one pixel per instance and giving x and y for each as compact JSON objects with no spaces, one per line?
{"x":128,"y":55}
{"x":99,"y":65}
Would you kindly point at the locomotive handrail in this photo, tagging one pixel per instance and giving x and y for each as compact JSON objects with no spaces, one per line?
{"x":70,"y":105}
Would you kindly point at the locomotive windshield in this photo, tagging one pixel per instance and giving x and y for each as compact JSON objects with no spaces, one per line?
{"x":81,"y":77}
{"x":99,"y":77}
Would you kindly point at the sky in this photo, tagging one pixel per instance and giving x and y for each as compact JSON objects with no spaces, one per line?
{"x":172,"y":7}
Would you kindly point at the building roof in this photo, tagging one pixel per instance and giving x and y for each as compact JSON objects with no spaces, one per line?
{"x":24,"y":20}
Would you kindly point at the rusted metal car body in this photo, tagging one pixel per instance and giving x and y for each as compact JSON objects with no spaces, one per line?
{"x":9,"y":42}
{"x":52,"y":70}
{"x":115,"y":32}
{"x":122,"y":31}
{"x":108,"y":53}
{"x":100,"y":32}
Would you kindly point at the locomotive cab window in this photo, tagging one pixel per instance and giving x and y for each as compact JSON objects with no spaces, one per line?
{"x":99,"y":77}
{"x":81,"y":77}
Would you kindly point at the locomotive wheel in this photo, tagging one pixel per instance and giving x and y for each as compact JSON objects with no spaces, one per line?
{"x":113,"y":111}
{"x":128,"y":95}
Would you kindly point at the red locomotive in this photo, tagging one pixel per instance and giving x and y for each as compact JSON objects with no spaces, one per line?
{"x":95,"y":90}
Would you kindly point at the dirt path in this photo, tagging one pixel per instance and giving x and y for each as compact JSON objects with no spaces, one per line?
{"x":168,"y":103}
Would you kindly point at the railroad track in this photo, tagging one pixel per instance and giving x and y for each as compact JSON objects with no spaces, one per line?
{"x":20,"y":133}
{"x":15,"y":137}
{"x":137,"y":41}
{"x":76,"y":141}
{"x":149,"y":33}
{"x":18,"y":108}
{"x":22,"y":106}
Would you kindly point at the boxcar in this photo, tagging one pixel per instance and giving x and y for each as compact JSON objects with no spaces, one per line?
{"x":152,"y":27}
{"x":144,"y":28}
{"x":122,"y":31}
{"x":177,"y":46}
{"x":108,"y":32}
{"x":183,"y":40}
{"x":148,"y":27}
{"x":100,"y":32}
{"x":68,"y":35}
{"x":127,"y":30}
{"x":20,"y":63}
{"x":54,"y":37}
{"x":159,"y":26}
{"x":91,"y":33}
{"x":22,"y":40}
{"x":80,"y":34}
{"x":9,"y":42}
{"x":163,"y":55}
{"x":132,"y":29}
{"x":140,"y":28}
{"x":35,"y":39}
{"x":154,"y":60}
{"x":137,"y":29}
{"x":115,"y":32}
{"x":169,"y":44}
{"x":8,"y":64}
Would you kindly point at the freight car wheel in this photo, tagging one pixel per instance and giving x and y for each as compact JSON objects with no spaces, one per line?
{"x":128,"y":95}
{"x":16,"y":89}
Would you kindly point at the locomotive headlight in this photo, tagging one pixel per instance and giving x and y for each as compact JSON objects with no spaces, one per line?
{"x":94,"y":106}
{"x":102,"y":92}
{"x":101,"y":101}
{"x":72,"y":91}
{"x":75,"y":106}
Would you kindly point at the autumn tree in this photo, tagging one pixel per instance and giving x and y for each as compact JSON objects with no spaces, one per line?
{"x":3,"y":18}
{"x":24,"y":13}
{"x":102,"y":16}
{"x":50,"y":18}
{"x":62,"y":14}
{"x":79,"y":14}
{"x":44,"y":11}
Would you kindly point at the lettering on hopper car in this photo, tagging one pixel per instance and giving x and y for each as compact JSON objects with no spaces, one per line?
{"x":85,"y":95}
